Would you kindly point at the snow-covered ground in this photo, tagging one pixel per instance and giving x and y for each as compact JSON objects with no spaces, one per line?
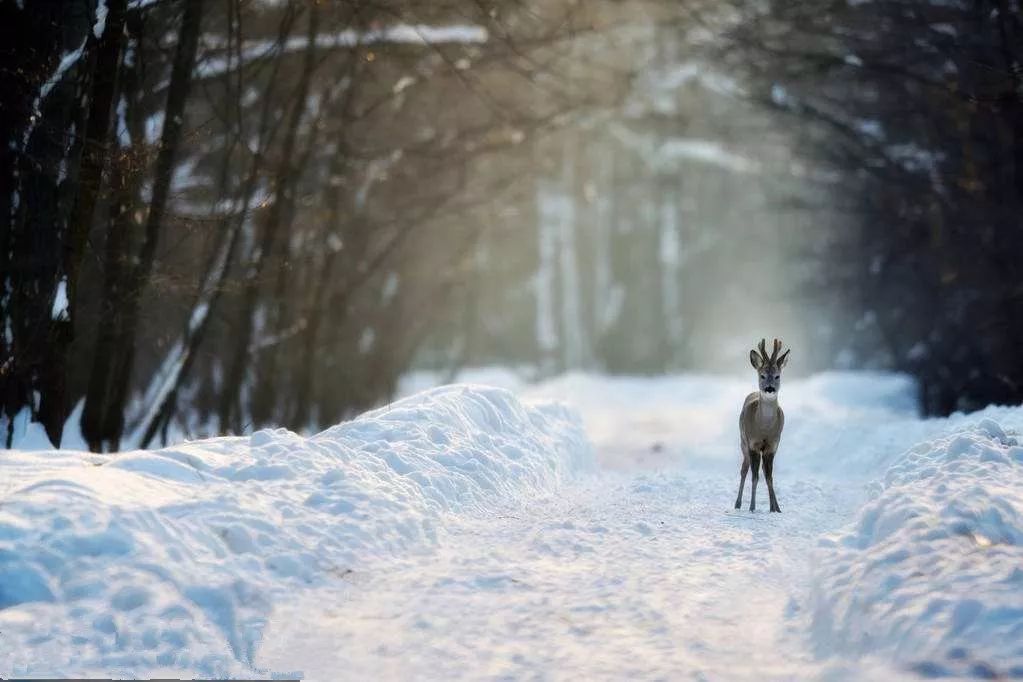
{"x":480,"y":532}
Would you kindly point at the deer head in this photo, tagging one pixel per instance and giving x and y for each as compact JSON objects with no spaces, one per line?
{"x":769,"y":367}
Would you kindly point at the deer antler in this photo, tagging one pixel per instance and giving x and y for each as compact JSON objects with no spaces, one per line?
{"x":774,"y":353}
{"x":763,"y":350}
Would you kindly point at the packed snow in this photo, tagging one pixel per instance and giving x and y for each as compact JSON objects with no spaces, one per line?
{"x":172,"y":561}
{"x":579,"y":528}
{"x":931,"y":571}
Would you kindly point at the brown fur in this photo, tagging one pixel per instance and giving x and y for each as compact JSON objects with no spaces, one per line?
{"x":761,"y":421}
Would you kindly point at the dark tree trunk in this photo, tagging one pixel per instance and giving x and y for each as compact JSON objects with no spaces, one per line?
{"x":160,"y":414}
{"x":157,"y":418}
{"x":315,"y":312}
{"x":283,"y":190}
{"x":100,"y":424}
{"x":110,"y":379}
{"x":95,"y":151}
{"x":268,"y":366}
{"x":44,"y":81}
{"x":102,"y":421}
{"x":30,"y":53}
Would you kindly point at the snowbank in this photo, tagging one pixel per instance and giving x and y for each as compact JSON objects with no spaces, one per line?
{"x":159,"y":563}
{"x":931,"y":572}
{"x":170,"y":561}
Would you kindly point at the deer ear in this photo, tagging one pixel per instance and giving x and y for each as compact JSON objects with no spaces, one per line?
{"x":754,"y":359}
{"x":784,"y":358}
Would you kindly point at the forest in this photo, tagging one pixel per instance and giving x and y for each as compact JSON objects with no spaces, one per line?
{"x":219,"y":215}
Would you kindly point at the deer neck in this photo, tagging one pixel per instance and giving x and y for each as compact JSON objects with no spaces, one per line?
{"x":767,"y":407}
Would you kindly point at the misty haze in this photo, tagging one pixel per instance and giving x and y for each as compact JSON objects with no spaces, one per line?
{"x":432,"y":340}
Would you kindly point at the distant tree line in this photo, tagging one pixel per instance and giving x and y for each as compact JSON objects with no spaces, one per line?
{"x":913,"y":113}
{"x":222,"y":214}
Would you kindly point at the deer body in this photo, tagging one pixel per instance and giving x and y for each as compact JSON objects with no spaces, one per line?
{"x":760,"y":424}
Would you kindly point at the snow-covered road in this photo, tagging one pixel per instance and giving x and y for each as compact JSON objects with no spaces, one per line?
{"x":621,"y":576}
{"x":640,"y":570}
{"x":465,"y":534}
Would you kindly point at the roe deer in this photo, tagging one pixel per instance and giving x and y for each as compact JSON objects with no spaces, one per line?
{"x":761,"y":422}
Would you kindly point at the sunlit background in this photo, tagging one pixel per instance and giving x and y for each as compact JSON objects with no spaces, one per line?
{"x":227,"y":214}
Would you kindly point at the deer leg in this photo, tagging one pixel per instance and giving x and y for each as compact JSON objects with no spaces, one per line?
{"x":742,"y":481}
{"x":769,"y":475}
{"x":755,"y":463}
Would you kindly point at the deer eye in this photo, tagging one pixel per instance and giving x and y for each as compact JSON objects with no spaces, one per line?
{"x":777,"y":376}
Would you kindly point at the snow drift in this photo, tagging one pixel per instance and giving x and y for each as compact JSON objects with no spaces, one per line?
{"x":171,"y":560}
{"x":930,"y":574}
{"x":465,"y":519}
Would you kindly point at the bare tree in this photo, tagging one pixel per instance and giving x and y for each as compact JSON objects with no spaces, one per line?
{"x":103,"y":417}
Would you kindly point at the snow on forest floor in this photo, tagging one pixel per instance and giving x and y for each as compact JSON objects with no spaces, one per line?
{"x":463,"y":533}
